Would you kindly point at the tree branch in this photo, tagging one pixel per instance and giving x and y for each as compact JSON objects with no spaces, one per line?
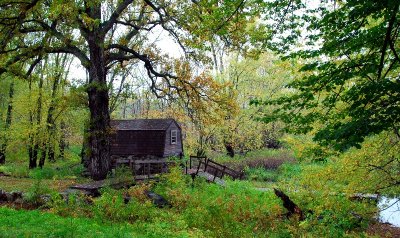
{"x":107,"y":25}
{"x":387,"y":40}
{"x":230,"y":17}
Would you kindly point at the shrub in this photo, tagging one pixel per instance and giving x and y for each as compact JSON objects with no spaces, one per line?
{"x":33,"y":196}
{"x":260,"y":174}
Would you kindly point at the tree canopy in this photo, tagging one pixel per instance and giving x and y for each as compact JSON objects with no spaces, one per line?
{"x":107,"y":34}
{"x":351,"y":86}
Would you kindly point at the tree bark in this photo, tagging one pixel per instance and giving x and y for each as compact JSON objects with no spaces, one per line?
{"x":229,"y":149}
{"x":85,"y":160}
{"x":62,"y":143}
{"x":99,"y":125}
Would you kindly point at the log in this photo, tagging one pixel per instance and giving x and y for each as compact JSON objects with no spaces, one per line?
{"x":289,"y":204}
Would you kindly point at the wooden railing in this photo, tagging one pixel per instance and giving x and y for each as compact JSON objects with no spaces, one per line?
{"x":149,"y":168}
{"x":212,"y":167}
{"x":146,"y":168}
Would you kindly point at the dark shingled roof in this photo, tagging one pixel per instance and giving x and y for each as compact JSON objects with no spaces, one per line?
{"x":142,"y":124}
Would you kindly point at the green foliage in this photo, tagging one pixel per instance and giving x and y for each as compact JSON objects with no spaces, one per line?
{"x":15,"y":170}
{"x":261,"y":174}
{"x":307,"y":150}
{"x":350,"y":78}
{"x":110,"y":207}
{"x":75,"y":205}
{"x":122,"y":173}
{"x":201,"y":209}
{"x":38,"y":189}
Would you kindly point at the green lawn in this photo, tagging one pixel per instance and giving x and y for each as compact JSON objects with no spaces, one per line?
{"x":22,"y":223}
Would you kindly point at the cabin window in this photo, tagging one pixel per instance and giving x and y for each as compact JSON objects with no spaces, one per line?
{"x":174,"y":135}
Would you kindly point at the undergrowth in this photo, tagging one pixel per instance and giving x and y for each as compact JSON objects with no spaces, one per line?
{"x":201,"y":209}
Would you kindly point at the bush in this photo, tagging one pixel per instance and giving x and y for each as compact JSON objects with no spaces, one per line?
{"x":265,"y":159}
{"x":33,"y":196}
{"x":261,"y":174}
{"x":15,"y":170}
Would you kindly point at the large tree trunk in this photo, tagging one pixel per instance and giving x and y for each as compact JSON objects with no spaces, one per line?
{"x":32,"y":146}
{"x":85,"y":160}
{"x":99,"y":125}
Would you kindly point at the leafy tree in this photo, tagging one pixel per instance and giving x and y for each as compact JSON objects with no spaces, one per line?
{"x":265,"y":77}
{"x":102,"y":34}
{"x":351,"y":86}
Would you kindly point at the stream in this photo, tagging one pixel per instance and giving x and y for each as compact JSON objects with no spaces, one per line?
{"x":389,"y":214}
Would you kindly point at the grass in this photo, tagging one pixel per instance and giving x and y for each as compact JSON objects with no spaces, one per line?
{"x":20,"y":223}
{"x":266,"y":159}
{"x":24,"y":184}
{"x":199,"y":209}
{"x":56,"y":176}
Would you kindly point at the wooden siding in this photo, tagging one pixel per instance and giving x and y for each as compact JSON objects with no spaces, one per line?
{"x":138,"y":143}
{"x":173,"y":149}
{"x":145,"y":137}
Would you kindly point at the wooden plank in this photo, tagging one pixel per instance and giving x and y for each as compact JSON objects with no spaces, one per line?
{"x":144,"y":177}
{"x":152,"y":161}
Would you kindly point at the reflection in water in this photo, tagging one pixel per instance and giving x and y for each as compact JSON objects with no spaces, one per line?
{"x":389,"y":214}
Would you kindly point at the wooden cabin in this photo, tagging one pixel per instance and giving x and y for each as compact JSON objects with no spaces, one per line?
{"x":144,"y":144}
{"x":144,"y":138}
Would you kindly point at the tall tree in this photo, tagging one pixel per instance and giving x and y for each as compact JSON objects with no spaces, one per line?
{"x":352,"y":83}
{"x":103,"y":33}
{"x":60,"y":68}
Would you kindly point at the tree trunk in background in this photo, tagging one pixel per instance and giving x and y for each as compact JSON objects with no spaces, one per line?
{"x":49,"y":145}
{"x":62,"y":143}
{"x":31,"y":138}
{"x":37,"y":145}
{"x":3,"y":146}
{"x":50,"y":126}
{"x":229,"y":149}
{"x":34,"y":139}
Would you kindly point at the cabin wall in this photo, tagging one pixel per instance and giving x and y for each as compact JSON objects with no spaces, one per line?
{"x":138,"y":143}
{"x":173,"y":149}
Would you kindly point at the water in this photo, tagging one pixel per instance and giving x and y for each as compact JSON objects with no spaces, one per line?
{"x":389,"y":214}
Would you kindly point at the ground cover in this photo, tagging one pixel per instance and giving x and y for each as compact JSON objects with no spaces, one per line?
{"x":198,"y":208}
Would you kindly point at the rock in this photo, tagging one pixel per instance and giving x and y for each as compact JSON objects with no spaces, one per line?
{"x":127,"y":199}
{"x":3,"y":196}
{"x":19,"y":201}
{"x":15,"y":195}
{"x":9,"y":197}
{"x":78,"y":193}
{"x":157,"y":199}
{"x":45,"y":198}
